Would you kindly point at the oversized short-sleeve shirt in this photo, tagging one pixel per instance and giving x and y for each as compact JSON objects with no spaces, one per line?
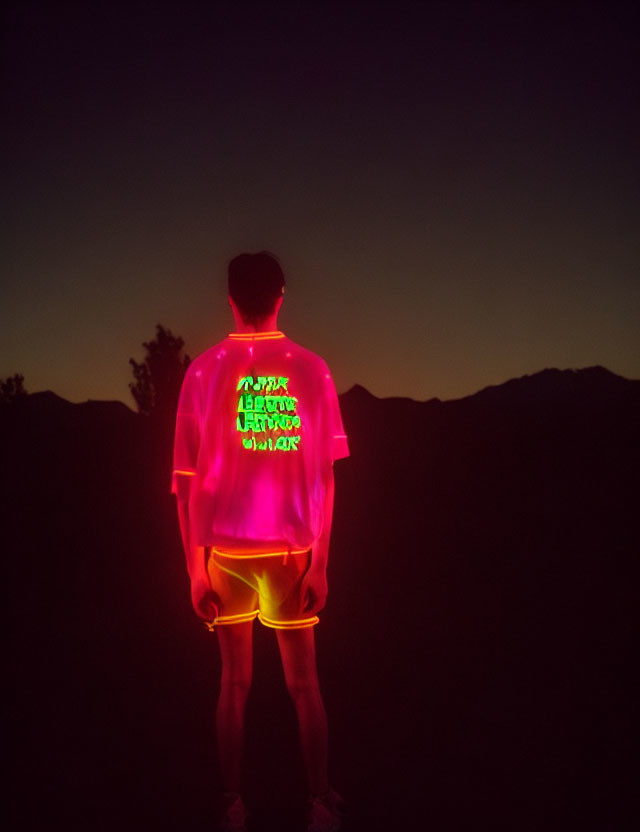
{"x":258,"y":427}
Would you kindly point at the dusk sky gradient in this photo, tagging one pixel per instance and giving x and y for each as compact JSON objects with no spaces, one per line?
{"x":452,"y":188}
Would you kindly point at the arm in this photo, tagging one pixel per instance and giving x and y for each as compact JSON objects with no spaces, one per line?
{"x":185,"y":463}
{"x":315,"y":587}
{"x":202,"y":596}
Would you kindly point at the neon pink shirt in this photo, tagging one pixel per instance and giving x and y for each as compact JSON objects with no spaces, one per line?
{"x":257,"y":429}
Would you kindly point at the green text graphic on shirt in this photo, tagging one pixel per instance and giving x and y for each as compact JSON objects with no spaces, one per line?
{"x":266,"y":414}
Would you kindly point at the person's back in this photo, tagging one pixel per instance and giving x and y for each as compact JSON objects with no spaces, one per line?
{"x":257,"y":430}
{"x":262,"y":413}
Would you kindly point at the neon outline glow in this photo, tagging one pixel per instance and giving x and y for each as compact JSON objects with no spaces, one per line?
{"x":297,"y":624}
{"x":256,"y":336}
{"x":288,"y":625}
{"x":259,"y":554}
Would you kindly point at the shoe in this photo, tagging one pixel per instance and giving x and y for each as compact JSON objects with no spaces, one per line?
{"x":234,"y":815}
{"x":326,"y":812}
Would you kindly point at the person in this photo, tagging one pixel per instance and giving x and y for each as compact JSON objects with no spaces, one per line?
{"x":258,"y":428}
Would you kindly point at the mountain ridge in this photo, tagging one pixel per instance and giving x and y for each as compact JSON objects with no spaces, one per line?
{"x":541,"y":385}
{"x":545,"y":380}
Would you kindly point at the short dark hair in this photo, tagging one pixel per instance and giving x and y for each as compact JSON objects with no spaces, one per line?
{"x":256,"y":281}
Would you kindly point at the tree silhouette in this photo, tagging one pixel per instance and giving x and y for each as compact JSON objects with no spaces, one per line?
{"x":11,"y":388}
{"x":159,"y":377}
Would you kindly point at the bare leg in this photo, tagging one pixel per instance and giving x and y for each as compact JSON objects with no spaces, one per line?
{"x":236,"y":650}
{"x":298,"y":654}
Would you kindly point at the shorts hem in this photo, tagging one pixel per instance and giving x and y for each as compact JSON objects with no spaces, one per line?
{"x":297,"y":624}
{"x":234,"y":619}
{"x":258,"y":554}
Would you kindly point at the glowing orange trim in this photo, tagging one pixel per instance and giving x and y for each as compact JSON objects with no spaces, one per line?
{"x":288,"y":625}
{"x":185,"y":472}
{"x":231,"y":619}
{"x":284,"y":552}
{"x":256,"y":336}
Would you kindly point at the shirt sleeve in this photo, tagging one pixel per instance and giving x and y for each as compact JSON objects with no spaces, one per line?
{"x":186,"y":438}
{"x":337,"y":436}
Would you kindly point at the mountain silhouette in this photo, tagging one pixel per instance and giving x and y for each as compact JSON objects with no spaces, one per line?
{"x":475,"y":653}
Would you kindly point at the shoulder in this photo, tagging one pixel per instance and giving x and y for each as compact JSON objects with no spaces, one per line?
{"x":311,"y":361}
{"x":203,"y":371}
{"x":208,"y":360}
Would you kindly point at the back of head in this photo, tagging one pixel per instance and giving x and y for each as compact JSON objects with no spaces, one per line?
{"x":256,"y":281}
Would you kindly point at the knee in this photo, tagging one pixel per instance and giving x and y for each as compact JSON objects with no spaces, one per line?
{"x":302,"y":689}
{"x":236,"y":685}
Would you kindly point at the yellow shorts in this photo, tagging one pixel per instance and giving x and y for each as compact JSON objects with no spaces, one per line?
{"x":267,"y":585}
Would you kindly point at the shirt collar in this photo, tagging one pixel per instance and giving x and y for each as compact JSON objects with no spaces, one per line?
{"x":256,"y":336}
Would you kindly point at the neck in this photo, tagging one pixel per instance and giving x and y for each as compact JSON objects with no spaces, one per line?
{"x":269,"y":324}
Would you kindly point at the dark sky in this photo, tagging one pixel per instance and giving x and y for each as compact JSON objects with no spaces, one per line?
{"x":452,"y":188}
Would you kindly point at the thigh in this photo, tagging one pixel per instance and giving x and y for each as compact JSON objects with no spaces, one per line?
{"x":237,"y":596}
{"x":298,"y":655}
{"x":281,"y":601}
{"x":236,"y":651}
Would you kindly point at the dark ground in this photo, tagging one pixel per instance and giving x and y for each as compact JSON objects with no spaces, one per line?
{"x":475,"y":654}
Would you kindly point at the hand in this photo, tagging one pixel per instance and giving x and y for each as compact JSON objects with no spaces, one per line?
{"x":205,"y":601}
{"x":314,"y":591}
